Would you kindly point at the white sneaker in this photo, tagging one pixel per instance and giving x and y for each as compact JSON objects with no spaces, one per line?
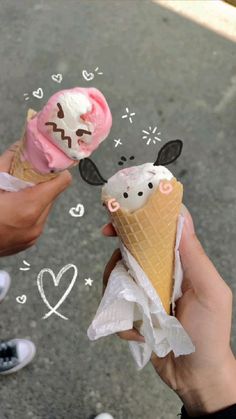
{"x":15,"y":354}
{"x":5,"y":282}
{"x":104,"y":416}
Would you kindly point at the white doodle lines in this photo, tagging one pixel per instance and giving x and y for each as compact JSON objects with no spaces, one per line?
{"x":77,"y":211}
{"x":21,"y":299}
{"x":128,"y":115}
{"x":56,"y":280}
{"x":151,"y":135}
{"x":117,"y":142}
{"x":26,"y":96}
{"x":38,"y":93}
{"x":88,"y":281}
{"x":99,"y":72}
{"x":90,"y":76}
{"x":27,"y":266}
{"x":57,"y":77}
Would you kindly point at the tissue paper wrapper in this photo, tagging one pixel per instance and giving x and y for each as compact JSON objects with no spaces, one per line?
{"x":126,"y":302}
{"x":12,"y":184}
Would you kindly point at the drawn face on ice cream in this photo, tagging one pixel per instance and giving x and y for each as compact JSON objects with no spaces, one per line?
{"x":130,"y":188}
{"x":76,"y":121}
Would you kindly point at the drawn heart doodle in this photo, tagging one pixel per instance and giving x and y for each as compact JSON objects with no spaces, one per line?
{"x":38,"y":93}
{"x":21,"y":299}
{"x":56,"y":281}
{"x":77,"y":211}
{"x":57,"y":78}
{"x":87,"y":76}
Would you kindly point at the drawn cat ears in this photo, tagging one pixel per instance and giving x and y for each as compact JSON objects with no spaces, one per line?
{"x":90,"y":173}
{"x":167,"y":154}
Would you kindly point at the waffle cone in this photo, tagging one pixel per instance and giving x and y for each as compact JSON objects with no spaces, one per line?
{"x":149,"y":233}
{"x":21,"y":168}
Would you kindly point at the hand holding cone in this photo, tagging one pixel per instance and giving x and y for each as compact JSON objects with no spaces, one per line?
{"x":149,"y":234}
{"x":23,"y":169}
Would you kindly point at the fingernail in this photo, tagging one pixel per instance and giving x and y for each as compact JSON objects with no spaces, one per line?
{"x":188,"y":221}
{"x":104,"y":232}
{"x":103,"y":227}
{"x":153,"y":356}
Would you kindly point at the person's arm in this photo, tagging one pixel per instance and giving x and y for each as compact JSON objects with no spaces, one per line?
{"x":227,"y":413}
{"x":24,"y":213}
{"x":216,"y":398}
{"x":206,"y":379}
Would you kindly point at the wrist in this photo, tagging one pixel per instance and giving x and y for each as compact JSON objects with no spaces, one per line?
{"x":212,"y":393}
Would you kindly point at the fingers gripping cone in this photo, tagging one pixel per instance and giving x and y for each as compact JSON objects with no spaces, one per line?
{"x":149,"y":233}
{"x":21,"y":168}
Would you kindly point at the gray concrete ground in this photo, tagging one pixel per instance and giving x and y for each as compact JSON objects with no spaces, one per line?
{"x":171,"y":72}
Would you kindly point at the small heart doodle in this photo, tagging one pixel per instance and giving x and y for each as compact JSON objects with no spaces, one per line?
{"x":77,"y":211}
{"x":21,"y":299}
{"x":56,"y":281}
{"x":38,"y":93}
{"x":87,"y":76}
{"x":57,"y":78}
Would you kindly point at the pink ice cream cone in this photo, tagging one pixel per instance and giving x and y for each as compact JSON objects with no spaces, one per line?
{"x":70,"y":127}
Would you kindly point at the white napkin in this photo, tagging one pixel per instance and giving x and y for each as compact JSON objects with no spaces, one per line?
{"x":130,"y":297}
{"x":12,"y":184}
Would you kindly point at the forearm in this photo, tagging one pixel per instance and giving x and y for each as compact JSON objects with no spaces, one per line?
{"x":213,"y":393}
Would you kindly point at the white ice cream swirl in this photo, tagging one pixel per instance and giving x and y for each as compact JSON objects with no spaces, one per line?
{"x":131,"y":187}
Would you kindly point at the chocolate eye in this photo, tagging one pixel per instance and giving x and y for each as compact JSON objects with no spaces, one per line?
{"x":60,"y":113}
{"x":125,"y":195}
{"x":80,"y":132}
{"x":150,"y":185}
{"x":140,"y":193}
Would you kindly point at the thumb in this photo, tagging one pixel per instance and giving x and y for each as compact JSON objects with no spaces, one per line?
{"x":197,"y":267}
{"x":46,"y":192}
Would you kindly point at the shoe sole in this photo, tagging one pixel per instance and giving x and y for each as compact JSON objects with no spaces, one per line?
{"x":26,"y":361}
{"x":6,"y":289}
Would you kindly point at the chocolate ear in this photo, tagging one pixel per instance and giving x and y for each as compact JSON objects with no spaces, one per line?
{"x":90,"y":173}
{"x":169,"y":153}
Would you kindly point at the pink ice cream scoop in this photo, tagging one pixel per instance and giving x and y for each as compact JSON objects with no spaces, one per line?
{"x":70,"y":127}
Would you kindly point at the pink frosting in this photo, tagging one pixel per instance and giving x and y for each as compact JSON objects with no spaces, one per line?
{"x":52,"y":143}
